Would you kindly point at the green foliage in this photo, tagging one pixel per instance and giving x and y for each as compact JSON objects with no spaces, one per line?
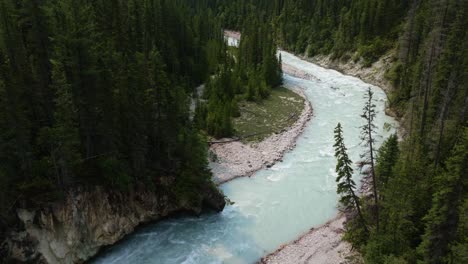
{"x":422,"y":194}
{"x":259,"y":120}
{"x":319,"y":27}
{"x":250,"y":72}
{"x":367,"y":137}
{"x":116,"y":172}
{"x":374,"y":50}
{"x":346,"y":186}
{"x":445,"y":215}
{"x":429,"y":73}
{"x":388,"y":155}
{"x":96,"y":93}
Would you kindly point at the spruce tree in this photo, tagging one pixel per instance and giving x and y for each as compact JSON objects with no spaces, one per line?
{"x":346,"y":185}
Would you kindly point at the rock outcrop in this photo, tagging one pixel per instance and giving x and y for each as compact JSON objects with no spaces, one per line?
{"x":373,"y":74}
{"x":73,"y":231}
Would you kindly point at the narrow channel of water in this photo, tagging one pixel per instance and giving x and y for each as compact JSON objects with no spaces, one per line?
{"x":277,"y":204}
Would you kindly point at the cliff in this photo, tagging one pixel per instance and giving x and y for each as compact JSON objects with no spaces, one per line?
{"x":73,"y":231}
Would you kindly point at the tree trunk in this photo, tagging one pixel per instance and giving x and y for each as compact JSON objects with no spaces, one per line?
{"x":443,"y":116}
{"x":374,"y":182}
{"x":358,"y":207}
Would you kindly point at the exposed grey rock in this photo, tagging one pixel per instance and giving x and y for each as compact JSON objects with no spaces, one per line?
{"x":73,"y":231}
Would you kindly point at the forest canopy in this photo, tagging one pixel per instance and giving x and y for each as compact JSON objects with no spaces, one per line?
{"x":97,"y":93}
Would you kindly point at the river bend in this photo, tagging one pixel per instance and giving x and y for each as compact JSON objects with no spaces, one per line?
{"x":277,"y":204}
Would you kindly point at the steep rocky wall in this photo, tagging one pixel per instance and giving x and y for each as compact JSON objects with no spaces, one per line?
{"x":374,"y":74}
{"x":75,"y":230}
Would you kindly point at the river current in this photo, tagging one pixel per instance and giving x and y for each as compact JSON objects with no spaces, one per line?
{"x":278,"y":204}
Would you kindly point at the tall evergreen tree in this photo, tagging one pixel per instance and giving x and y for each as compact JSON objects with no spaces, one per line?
{"x":96,"y":93}
{"x":346,"y":186}
{"x":368,"y":131}
{"x":388,"y":156}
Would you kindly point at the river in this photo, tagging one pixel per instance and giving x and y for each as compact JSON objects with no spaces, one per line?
{"x":276,"y":205}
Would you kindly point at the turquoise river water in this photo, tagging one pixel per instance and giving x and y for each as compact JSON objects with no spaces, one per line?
{"x":276,"y":205}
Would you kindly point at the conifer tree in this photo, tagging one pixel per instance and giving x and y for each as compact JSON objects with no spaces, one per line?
{"x":387,"y":158}
{"x":368,"y":140}
{"x":346,"y":185}
{"x":95,"y":92}
{"x":62,"y":139}
{"x":445,"y":215}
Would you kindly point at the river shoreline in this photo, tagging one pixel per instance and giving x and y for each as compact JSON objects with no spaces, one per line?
{"x":235,"y":159}
{"x":375,"y":74}
{"x":324,"y":244}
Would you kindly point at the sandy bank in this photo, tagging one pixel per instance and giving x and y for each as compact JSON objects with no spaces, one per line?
{"x":236,"y":159}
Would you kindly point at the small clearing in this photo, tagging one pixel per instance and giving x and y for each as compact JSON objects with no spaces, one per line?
{"x":259,"y":120}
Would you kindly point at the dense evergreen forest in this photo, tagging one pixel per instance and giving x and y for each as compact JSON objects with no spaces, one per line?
{"x":248,"y":72}
{"x":322,"y":26}
{"x":420,"y":215}
{"x":97,"y":93}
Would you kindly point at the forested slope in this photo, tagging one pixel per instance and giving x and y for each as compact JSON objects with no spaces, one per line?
{"x":96,"y":93}
{"x":248,"y":72}
{"x":421,"y":181}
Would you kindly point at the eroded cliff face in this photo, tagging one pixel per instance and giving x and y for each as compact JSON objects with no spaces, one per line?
{"x":75,"y":230}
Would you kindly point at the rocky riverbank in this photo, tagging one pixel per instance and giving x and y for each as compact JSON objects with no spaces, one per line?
{"x":320,"y":245}
{"x":324,"y":244}
{"x":89,"y":219}
{"x":374,"y":74}
{"x":237,"y":159}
